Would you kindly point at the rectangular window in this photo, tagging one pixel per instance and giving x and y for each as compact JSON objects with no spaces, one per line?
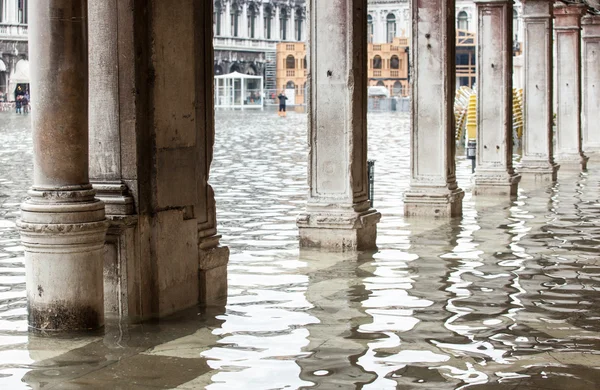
{"x":299,"y":30}
{"x":251,"y":26}
{"x":267,"y":27}
{"x":1,"y":11}
{"x":217,"y":22}
{"x":234,"y":24}
{"x":283,"y":32}
{"x":23,"y":15}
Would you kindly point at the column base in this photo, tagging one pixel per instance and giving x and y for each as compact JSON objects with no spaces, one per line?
{"x":351,"y":231}
{"x":64,"y":260}
{"x":496,"y":183}
{"x":538,"y":173}
{"x":431,"y":202}
{"x":213,"y":260}
{"x":572,"y":162}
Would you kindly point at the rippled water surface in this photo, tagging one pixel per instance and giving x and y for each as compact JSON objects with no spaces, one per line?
{"x":507,"y":297}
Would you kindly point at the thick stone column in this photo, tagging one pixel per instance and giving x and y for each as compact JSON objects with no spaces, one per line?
{"x":495,"y":174}
{"x":338,"y":214}
{"x":433,"y":189}
{"x":62,"y":226}
{"x":538,"y":164}
{"x":591,"y":83}
{"x":569,"y":152}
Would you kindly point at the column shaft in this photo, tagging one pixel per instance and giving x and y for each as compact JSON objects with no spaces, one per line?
{"x":569,"y":152}
{"x":538,"y":164}
{"x":62,"y":226}
{"x":591,"y":83}
{"x":495,"y":174}
{"x":433,"y":189}
{"x":338,"y":213}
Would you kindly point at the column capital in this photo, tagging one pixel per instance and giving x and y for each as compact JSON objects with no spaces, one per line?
{"x":568,"y":16}
{"x":537,"y":9}
{"x":591,"y":27}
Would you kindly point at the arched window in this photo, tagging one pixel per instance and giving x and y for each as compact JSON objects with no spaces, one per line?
{"x":516,"y":25}
{"x":391,"y":27}
{"x":290,"y":85}
{"x":290,"y":62}
{"x":395,"y":62}
{"x":397,"y":89}
{"x":217,"y":20}
{"x":370,"y":28}
{"x":462,"y":21}
{"x":299,"y":24}
{"x":377,"y":62}
{"x":283,"y":21}
{"x":268,"y":20}
{"x":218,"y":70}
{"x":380,"y":83}
{"x":235,"y":20}
{"x":252,"y":14}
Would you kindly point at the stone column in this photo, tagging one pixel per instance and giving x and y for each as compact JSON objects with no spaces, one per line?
{"x":338,"y":214}
{"x":591,"y":83}
{"x":569,"y":152}
{"x":433,"y":189}
{"x":62,"y":226}
{"x":538,"y":164}
{"x":495,"y":174}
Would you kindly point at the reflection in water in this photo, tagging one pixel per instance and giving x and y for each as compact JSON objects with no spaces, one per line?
{"x":506,"y":296}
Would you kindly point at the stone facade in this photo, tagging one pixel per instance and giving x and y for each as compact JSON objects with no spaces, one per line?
{"x":14,"y":50}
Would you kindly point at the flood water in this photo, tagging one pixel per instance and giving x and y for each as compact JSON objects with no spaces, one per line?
{"x":508,"y":297}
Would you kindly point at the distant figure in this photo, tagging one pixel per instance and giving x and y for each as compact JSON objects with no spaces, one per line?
{"x":25,"y":104}
{"x":19,"y":103}
{"x":282,"y":98}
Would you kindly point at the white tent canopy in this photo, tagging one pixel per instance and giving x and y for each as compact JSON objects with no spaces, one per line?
{"x":237,"y":90}
{"x":19,"y":76}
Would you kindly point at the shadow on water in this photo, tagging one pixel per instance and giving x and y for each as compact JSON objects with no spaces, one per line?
{"x":506,"y":297}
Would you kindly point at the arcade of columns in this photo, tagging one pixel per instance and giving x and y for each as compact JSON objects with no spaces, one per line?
{"x":121,"y":218}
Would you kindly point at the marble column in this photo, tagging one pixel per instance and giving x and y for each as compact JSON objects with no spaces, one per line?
{"x":569,"y":151}
{"x":433,"y":189}
{"x":538,"y":164}
{"x":62,"y":225}
{"x":591,"y":83}
{"x":338,"y":214}
{"x":495,"y":174}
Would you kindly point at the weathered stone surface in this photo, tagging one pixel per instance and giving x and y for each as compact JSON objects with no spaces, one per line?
{"x":538,"y":166}
{"x":591,"y":83}
{"x":337,"y":129}
{"x":495,"y":174}
{"x":433,"y":189}
{"x":569,"y":152}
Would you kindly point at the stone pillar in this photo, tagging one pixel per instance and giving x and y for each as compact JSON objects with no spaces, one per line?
{"x":569,"y":152}
{"x":338,"y":213}
{"x":433,"y":189}
{"x":591,"y":83}
{"x":495,"y":174}
{"x":62,"y":225}
{"x":538,"y":164}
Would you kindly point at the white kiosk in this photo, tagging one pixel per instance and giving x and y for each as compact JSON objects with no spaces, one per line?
{"x":237,"y":90}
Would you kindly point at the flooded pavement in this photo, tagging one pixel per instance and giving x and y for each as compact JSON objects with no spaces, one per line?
{"x":506,"y":298}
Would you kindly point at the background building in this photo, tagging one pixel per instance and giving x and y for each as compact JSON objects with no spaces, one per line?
{"x":14,"y":64}
{"x":247,"y":32}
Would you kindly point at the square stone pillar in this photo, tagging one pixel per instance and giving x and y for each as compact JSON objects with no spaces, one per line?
{"x":538,"y":164}
{"x":433,"y":190}
{"x":569,"y":151}
{"x":338,"y":214}
{"x":591,"y":83}
{"x":62,"y":225}
{"x":495,"y":174}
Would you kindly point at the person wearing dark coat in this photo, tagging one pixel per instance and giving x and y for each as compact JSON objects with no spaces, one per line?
{"x":282,"y":98}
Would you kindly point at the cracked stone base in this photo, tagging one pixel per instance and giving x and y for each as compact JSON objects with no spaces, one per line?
{"x":534,"y":175}
{"x":443,"y":204}
{"x":213,"y":276}
{"x":570,"y":163}
{"x":339,"y":232}
{"x":496,"y":184}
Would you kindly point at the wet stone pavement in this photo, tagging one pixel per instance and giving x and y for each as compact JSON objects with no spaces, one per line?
{"x":506,"y":298}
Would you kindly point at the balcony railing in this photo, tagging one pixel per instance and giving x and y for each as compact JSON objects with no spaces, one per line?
{"x":15,"y":31}
{"x":290,"y":73}
{"x":376,"y":73}
{"x":244,"y":43}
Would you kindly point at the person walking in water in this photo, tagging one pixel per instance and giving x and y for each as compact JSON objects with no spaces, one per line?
{"x":282,"y":99}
